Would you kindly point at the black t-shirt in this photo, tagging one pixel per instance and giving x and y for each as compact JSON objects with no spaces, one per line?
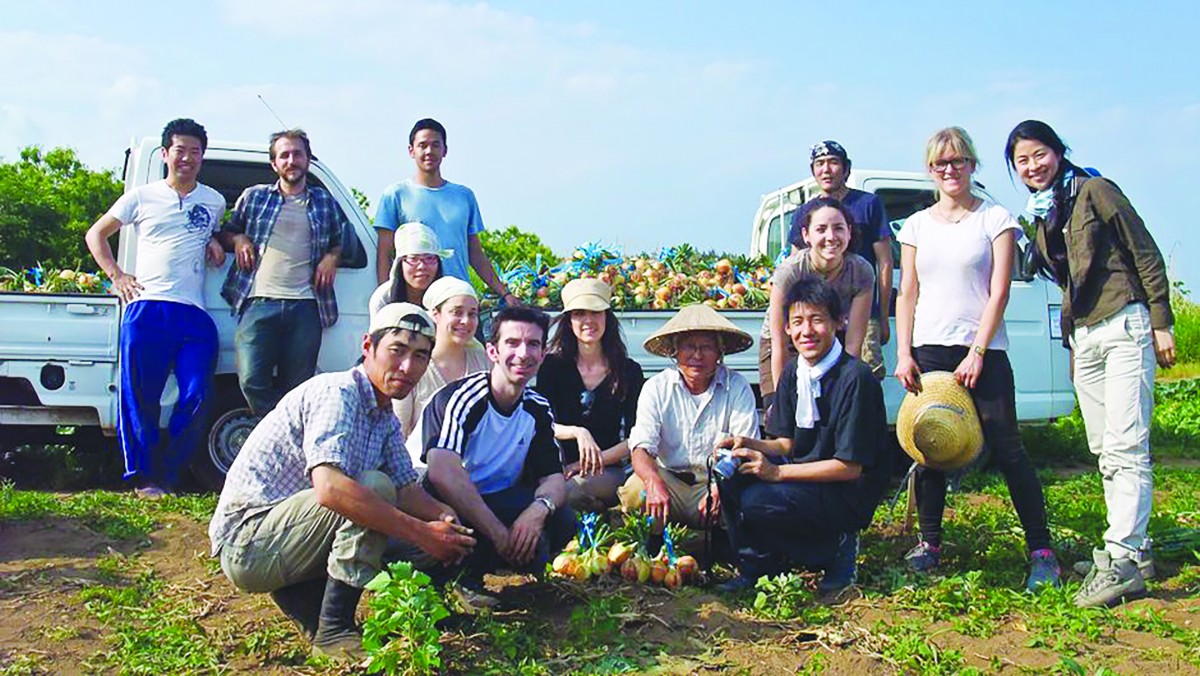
{"x":852,"y":428}
{"x":609,"y":418}
{"x":499,"y":449}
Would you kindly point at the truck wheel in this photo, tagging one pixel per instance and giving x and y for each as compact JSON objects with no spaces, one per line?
{"x":228,"y":432}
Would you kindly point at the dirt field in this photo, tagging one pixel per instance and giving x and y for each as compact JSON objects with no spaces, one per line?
{"x":46,"y":626}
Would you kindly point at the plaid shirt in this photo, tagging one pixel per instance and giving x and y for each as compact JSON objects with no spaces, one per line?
{"x":255,"y":215}
{"x":332,"y":419}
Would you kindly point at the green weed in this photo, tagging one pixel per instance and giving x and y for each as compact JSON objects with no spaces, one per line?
{"x":401,"y":634}
{"x":28,"y":664}
{"x":788,"y":597}
{"x":121,"y":516}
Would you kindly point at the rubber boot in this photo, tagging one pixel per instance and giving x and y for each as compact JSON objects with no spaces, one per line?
{"x":301,"y":602}
{"x":337,"y":636}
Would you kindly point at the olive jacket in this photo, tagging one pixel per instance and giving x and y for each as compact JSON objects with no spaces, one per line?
{"x":1112,"y":260}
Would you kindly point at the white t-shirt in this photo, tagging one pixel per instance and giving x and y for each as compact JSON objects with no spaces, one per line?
{"x":172,"y":233}
{"x":954,"y":269}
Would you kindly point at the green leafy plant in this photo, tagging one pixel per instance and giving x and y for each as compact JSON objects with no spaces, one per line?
{"x":401,"y":634}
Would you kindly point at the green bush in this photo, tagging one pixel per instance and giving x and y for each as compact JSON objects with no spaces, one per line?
{"x":1187,"y":327}
{"x":401,"y":634}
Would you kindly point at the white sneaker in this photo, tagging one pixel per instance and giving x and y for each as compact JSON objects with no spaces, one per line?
{"x":1110,"y":582}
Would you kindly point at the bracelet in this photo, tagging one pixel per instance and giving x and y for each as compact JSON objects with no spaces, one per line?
{"x":548,"y":503}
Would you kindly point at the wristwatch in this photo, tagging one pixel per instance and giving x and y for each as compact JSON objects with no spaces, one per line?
{"x":550,"y":507}
{"x":979,"y":350}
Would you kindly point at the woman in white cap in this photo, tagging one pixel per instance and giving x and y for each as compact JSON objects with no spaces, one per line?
{"x":593,"y":386}
{"x":956,"y":267}
{"x":418,"y":263}
{"x":454,"y":307}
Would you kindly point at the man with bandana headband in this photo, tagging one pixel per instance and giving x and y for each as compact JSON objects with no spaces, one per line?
{"x":800,"y":498}
{"x":830,"y":167}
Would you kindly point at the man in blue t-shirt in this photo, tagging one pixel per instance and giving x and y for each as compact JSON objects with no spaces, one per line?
{"x":449,"y":209}
{"x":872,"y":238}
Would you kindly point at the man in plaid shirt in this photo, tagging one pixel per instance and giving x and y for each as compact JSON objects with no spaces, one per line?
{"x":324,"y":480}
{"x":287,"y":238}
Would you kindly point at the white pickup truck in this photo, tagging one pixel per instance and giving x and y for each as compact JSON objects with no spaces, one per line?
{"x":58,"y":353}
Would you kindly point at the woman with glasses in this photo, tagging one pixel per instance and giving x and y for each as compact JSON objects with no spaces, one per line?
{"x":593,"y":386}
{"x":1117,"y":319}
{"x":418,"y":263}
{"x":825,"y":227}
{"x":956,"y":259}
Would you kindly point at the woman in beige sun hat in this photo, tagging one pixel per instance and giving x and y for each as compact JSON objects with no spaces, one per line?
{"x":683,"y":413}
{"x":593,"y":385}
{"x":418,"y":263}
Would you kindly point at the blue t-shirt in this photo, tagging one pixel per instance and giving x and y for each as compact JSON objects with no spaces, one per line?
{"x":450,"y":211}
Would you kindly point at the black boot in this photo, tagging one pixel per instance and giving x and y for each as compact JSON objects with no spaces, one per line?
{"x":301,"y":602}
{"x":337,"y":636}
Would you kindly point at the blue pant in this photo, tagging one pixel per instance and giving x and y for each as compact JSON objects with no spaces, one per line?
{"x":276,"y":335}
{"x":158,"y":337}
{"x":775,"y":526}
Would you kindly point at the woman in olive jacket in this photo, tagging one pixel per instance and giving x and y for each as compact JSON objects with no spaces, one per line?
{"x":1116,"y":319}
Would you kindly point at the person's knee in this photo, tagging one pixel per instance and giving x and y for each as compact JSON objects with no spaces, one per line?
{"x":380,"y":484}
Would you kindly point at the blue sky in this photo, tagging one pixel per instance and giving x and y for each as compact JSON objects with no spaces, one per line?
{"x":642,"y":124}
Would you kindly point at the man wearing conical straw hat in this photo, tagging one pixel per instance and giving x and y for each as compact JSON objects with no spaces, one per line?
{"x":683,"y":412}
{"x":801,"y":498}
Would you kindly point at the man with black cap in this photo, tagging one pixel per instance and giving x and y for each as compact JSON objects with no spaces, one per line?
{"x":324,"y":480}
{"x":872,"y":238}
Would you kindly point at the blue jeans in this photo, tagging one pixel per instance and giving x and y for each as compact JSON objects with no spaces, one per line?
{"x":158,"y":337}
{"x":277,"y":343}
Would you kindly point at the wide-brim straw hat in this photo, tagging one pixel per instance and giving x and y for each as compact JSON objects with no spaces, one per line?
{"x":939,"y":428}
{"x":697,"y":317}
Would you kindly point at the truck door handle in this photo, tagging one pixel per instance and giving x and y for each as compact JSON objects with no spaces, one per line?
{"x":81,"y":309}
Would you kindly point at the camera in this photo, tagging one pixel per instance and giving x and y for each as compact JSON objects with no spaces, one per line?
{"x":726,"y":465}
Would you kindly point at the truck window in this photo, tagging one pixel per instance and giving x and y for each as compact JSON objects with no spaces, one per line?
{"x":231,"y":178}
{"x":777,"y":232}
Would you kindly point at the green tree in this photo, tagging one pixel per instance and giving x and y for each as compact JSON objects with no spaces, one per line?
{"x":510,"y":248}
{"x":47,"y":202}
{"x":364,"y":202}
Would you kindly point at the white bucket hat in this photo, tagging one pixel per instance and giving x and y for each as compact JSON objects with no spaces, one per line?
{"x":415,"y":239}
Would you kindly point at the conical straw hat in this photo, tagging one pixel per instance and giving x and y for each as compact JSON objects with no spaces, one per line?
{"x":697,"y":317}
{"x":939,"y":427}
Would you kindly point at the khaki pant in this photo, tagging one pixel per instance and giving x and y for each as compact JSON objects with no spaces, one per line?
{"x":299,"y":540}
{"x":685,"y":497}
{"x":595,"y":493}
{"x":872,"y":349}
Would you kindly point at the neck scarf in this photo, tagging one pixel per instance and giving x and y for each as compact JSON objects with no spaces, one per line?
{"x":808,"y":385}
{"x":1041,"y":203}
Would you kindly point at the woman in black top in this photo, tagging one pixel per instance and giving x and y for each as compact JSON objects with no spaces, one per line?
{"x":593,"y":386}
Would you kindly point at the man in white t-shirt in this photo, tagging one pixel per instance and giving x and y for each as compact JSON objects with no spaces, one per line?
{"x":164,"y":327}
{"x":489,"y":444}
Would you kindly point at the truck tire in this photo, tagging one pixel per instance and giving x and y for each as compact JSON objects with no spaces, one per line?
{"x":231,"y":424}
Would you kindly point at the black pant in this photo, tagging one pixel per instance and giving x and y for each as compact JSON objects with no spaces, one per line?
{"x":995,"y":401}
{"x":507,"y":505}
{"x":774,"y":526}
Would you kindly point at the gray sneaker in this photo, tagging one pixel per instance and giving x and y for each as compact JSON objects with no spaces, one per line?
{"x":1143,"y":557}
{"x":1110,"y":582}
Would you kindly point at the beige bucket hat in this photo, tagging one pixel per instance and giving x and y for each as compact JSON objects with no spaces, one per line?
{"x":586,"y":294}
{"x":939,"y":427}
{"x":697,"y":317}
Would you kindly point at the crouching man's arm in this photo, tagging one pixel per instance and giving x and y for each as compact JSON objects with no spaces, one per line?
{"x":451,"y":480}
{"x":527,"y":529}
{"x":755,"y":463}
{"x":446,"y":541}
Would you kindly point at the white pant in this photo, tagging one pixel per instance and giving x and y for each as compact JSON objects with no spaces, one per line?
{"x":1114,"y":379}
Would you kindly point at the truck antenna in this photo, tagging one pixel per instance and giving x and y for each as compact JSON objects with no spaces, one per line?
{"x":264,"y":102}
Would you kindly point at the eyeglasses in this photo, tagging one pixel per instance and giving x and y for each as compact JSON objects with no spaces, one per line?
{"x":586,"y":399}
{"x":955,"y":162}
{"x":696,"y":348}
{"x":420,"y":259}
